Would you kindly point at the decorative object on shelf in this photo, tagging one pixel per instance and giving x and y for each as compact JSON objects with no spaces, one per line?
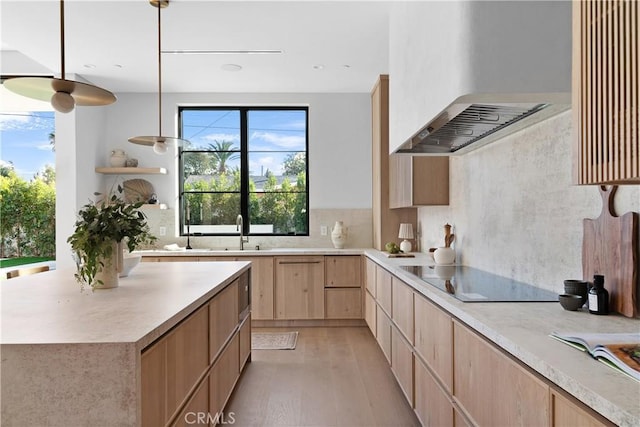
{"x":97,"y":240}
{"x":406,"y":233}
{"x":445,"y":254}
{"x":339,"y":235}
{"x":137,"y":190}
{"x":577,"y":287}
{"x":153,"y":199}
{"x":62,"y":93}
{"x":158,"y":142}
{"x":118,"y":158}
{"x":132,"y":163}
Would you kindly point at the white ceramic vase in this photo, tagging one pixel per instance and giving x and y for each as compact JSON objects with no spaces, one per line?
{"x":112,"y":268}
{"x":339,"y":235}
{"x":118,"y":158}
{"x":444,"y":255}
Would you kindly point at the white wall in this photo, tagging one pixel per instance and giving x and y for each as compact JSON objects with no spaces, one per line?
{"x":515,"y":210}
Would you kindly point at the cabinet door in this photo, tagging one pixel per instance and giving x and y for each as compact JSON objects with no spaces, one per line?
{"x":370,"y":312}
{"x":187,"y":357}
{"x":197,"y":409}
{"x":418,"y":181}
{"x":492,"y":388}
{"x":383,"y":289}
{"x":432,"y":404}
{"x":223,"y":318}
{"x":261,"y":287}
{"x":402,"y":307}
{"x":402,"y":363}
{"x":605,"y":92}
{"x":343,"y":303}
{"x":224,"y":375}
{"x":154,"y":385}
{"x":370,"y":276}
{"x":434,"y":339}
{"x":299,"y":287}
{"x":245,"y":342}
{"x":383,"y":332}
{"x":343,"y":271}
{"x":566,"y":411}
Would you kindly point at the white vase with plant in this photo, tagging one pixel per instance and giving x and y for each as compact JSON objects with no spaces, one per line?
{"x":101,"y":231}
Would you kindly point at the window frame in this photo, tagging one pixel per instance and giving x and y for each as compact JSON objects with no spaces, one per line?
{"x":244,"y":167}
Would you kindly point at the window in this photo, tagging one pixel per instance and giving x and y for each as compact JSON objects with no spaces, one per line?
{"x":244,"y":160}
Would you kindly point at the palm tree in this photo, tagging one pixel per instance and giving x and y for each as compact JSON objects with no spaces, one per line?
{"x":223,"y":152}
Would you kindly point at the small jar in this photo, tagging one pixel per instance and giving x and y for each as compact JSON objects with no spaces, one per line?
{"x":598,"y":296}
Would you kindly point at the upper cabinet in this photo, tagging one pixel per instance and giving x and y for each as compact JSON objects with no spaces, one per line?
{"x":605,"y":92}
{"x":418,"y":181}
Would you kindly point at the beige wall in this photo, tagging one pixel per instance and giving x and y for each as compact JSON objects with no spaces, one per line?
{"x":515,"y":210}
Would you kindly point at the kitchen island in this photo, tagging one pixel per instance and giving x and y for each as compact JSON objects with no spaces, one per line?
{"x":149,"y":348}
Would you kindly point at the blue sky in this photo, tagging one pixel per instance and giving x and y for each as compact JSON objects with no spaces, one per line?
{"x":24,"y":141}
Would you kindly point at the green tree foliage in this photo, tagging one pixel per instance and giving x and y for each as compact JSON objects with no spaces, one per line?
{"x":27,"y":210}
{"x":223,"y":152}
{"x":295,"y":163}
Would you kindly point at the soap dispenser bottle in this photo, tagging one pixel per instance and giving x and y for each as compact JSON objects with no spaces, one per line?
{"x":598,"y":296}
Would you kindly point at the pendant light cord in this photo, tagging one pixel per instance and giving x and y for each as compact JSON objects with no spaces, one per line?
{"x":62,"y":74}
{"x":159,"y":74}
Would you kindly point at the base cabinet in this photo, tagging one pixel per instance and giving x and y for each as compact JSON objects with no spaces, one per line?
{"x":370,"y":312}
{"x":566,"y":411}
{"x":343,"y":303}
{"x":432,"y":404}
{"x":383,"y":332}
{"x":299,"y":287}
{"x":191,"y":371}
{"x":402,"y":362}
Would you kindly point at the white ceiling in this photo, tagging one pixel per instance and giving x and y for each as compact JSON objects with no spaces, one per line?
{"x":119,"y":38}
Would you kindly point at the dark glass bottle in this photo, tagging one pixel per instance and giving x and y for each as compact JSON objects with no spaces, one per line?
{"x":598,"y":296}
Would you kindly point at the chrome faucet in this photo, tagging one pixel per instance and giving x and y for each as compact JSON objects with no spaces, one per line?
{"x":240,"y":228}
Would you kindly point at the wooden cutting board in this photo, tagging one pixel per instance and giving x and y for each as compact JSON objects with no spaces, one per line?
{"x":610,"y":248}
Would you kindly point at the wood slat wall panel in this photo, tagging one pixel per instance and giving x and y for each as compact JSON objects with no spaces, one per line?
{"x":607,"y":68}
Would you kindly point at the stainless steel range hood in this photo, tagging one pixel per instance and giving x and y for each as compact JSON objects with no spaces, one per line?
{"x":472,"y":121}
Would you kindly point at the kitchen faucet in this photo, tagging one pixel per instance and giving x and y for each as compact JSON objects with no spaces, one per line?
{"x":240,"y":227}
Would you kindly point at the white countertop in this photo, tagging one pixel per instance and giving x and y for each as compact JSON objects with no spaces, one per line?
{"x":50,"y":308}
{"x":252,"y":252}
{"x":522,"y":329}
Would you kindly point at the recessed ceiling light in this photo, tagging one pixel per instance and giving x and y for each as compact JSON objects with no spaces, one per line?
{"x":231,"y":67}
{"x":346,"y":66}
{"x":224,"y":51}
{"x":318,"y":67}
{"x":89,"y":66}
{"x":117,"y":65}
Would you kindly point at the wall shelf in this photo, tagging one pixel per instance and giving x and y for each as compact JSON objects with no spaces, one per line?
{"x":154,"y":206}
{"x":132,"y":171}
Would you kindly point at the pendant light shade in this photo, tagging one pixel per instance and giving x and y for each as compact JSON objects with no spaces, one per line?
{"x":158,"y":142}
{"x":63,"y":94}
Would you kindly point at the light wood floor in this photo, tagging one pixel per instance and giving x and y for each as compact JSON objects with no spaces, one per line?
{"x":334,"y":377}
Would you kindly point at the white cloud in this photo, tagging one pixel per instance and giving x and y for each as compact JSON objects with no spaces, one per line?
{"x":25,"y":121}
{"x":283,"y":141}
{"x":263,"y":163}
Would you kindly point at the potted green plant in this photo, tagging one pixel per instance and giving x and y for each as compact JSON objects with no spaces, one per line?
{"x":100,"y":231}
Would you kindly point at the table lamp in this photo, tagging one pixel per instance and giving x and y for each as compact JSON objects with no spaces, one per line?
{"x":406,"y":232}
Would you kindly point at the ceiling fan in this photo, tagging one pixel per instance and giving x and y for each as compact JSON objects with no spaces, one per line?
{"x":63,"y":94}
{"x":159,"y":142}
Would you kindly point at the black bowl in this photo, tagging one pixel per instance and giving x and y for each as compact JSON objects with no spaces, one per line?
{"x":577,"y":287}
{"x":570,"y":302}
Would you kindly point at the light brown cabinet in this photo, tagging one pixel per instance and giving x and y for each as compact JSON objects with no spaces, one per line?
{"x":370,"y":276}
{"x":434,"y":340}
{"x":402,"y":362}
{"x":299,"y":287}
{"x":605,"y":92}
{"x":343,"y":271}
{"x":566,"y":411}
{"x":386,"y":221}
{"x":370,"y":312}
{"x":402,"y":307}
{"x":383,"y":332}
{"x":343,"y":303}
{"x":432,"y":404}
{"x":383,"y":289}
{"x":418,"y":181}
{"x":194,"y":366}
{"x":514,"y":397}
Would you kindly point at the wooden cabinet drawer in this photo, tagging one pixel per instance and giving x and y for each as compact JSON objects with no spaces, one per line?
{"x":492,"y":388}
{"x":402,"y":307}
{"x":383,"y":332}
{"x":196,"y":408}
{"x":343,"y":303}
{"x":434,"y":339}
{"x":224,"y":375}
{"x":223,"y":318}
{"x":370,"y":276}
{"x":567,"y":411}
{"x":432,"y":404}
{"x":383,"y":289}
{"x":370,"y":312}
{"x":402,"y":363}
{"x":343,"y":271}
{"x":245,"y":341}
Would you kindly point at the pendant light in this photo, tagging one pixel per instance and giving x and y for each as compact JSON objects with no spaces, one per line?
{"x":159,"y":142}
{"x":63,"y":94}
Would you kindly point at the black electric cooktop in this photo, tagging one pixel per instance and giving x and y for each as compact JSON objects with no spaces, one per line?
{"x":472,"y":285}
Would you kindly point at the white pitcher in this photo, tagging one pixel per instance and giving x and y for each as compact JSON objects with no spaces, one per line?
{"x":339,"y":235}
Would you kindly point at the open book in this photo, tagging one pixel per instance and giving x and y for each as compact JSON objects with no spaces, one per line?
{"x":619,"y":351}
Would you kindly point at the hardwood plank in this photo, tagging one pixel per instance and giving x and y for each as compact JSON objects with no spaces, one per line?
{"x":336,"y":376}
